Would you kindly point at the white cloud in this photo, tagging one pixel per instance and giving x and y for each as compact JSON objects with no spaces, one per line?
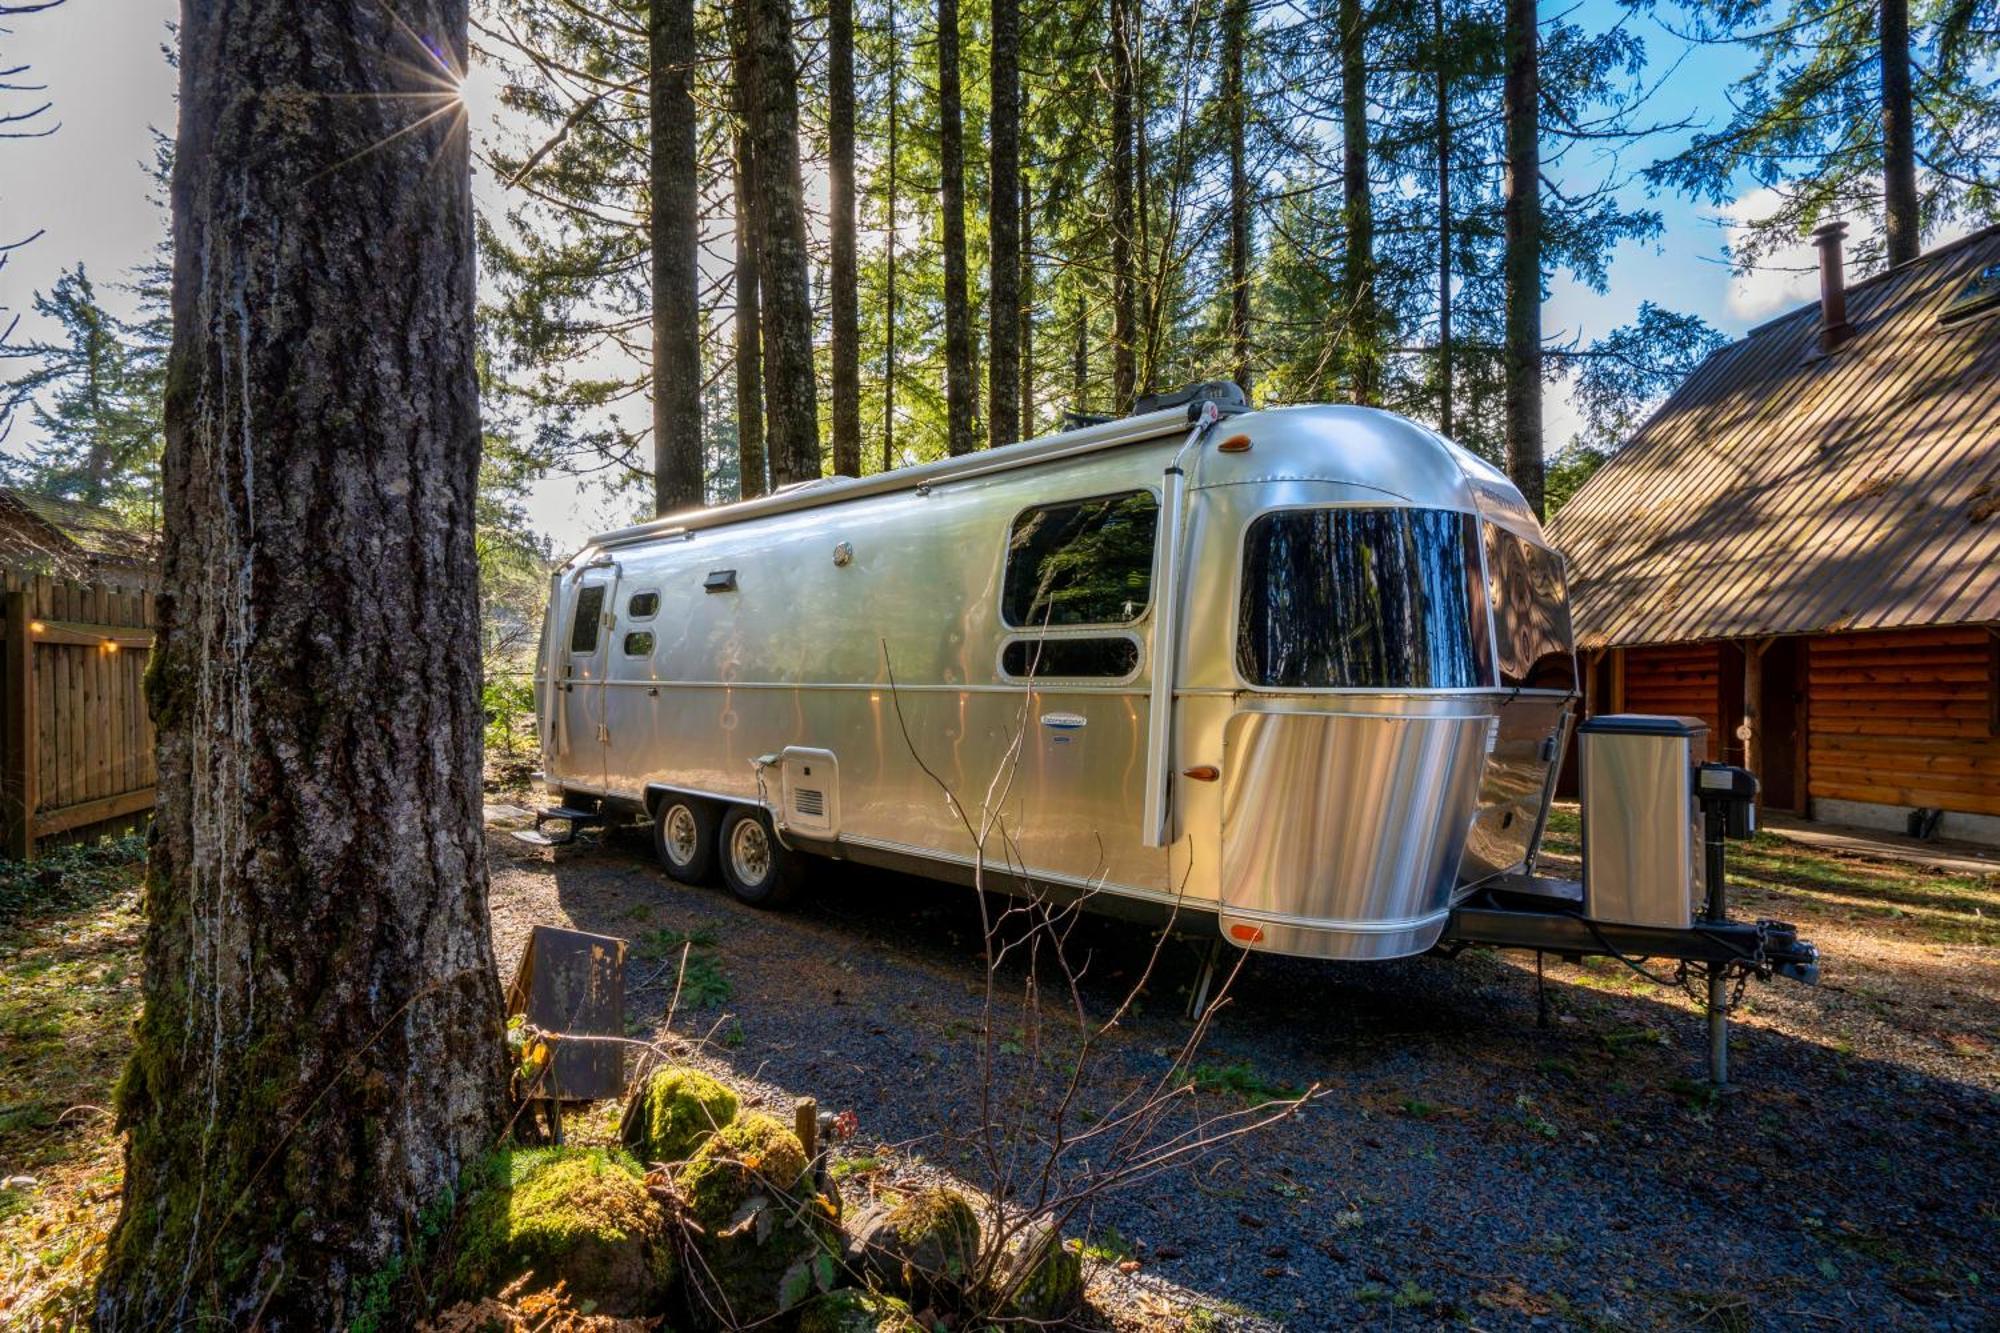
{"x":1786,"y":277}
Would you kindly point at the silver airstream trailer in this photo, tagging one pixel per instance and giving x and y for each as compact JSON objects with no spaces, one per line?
{"x":1304,"y":672}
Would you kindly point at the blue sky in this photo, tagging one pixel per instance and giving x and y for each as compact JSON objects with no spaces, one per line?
{"x":86,"y":186}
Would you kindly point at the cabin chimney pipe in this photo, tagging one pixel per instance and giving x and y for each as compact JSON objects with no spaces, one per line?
{"x":1833,"y":326}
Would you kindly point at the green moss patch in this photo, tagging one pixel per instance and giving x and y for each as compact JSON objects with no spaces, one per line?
{"x":676,"y":1111}
{"x":581,"y":1215}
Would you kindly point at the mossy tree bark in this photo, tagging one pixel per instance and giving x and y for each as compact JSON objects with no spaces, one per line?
{"x":320,"y":1052}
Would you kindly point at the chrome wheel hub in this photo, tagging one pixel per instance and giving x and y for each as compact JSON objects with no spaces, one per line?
{"x":750,"y":851}
{"x":682,"y":836}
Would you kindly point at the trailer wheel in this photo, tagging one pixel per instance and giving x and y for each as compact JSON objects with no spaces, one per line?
{"x":755,"y":866}
{"x":684,"y":838}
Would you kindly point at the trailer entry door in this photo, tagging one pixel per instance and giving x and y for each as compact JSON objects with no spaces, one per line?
{"x":585,"y":658}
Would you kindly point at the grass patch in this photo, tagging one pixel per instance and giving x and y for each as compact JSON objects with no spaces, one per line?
{"x":703,"y":983}
{"x":69,"y":992}
{"x":1107,"y":1246}
{"x":665,"y":943}
{"x":1240,"y":1080}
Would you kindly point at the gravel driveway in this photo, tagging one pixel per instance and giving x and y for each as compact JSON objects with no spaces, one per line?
{"x":1464,"y":1166}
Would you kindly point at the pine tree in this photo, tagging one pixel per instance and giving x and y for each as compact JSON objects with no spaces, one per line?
{"x":1854,"y":107}
{"x":1003,"y":410}
{"x":675,"y":227}
{"x":960,"y":376}
{"x":95,"y":396}
{"x":843,"y":278}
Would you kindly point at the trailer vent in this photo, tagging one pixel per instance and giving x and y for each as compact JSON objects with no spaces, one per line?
{"x":810,"y":803}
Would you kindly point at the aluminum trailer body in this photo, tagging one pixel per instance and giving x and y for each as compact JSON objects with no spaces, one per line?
{"x":1307,"y":670}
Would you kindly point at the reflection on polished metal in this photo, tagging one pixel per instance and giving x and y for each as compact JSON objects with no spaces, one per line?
{"x":1330,"y":818}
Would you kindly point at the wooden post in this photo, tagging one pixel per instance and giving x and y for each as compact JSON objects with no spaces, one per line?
{"x":805,"y":1118}
{"x":18,"y":796}
{"x":1617,"y":680}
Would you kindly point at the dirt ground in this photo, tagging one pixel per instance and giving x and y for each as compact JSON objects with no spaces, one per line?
{"x":1463,"y":1165}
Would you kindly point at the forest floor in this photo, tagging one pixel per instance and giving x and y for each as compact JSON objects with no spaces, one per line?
{"x":1464,"y":1166}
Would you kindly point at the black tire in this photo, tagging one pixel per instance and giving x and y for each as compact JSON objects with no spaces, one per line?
{"x":684,"y":838}
{"x":756,"y":867}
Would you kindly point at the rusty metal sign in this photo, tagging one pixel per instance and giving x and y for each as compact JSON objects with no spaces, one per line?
{"x":572,"y":983}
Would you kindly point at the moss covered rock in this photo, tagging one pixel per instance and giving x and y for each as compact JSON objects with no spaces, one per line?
{"x":766,"y":1238}
{"x":1043,"y":1277}
{"x":582,"y":1215}
{"x":927,"y":1245}
{"x":675,"y":1112}
{"x":852,"y":1311}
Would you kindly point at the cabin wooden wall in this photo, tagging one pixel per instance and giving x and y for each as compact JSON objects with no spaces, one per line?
{"x":76,"y":740}
{"x":1905,"y":718}
{"x":1683,"y":680}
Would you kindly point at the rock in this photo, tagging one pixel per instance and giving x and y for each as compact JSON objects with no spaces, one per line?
{"x":581,"y":1216}
{"x":926,"y":1246}
{"x":766,"y":1239}
{"x":675,"y":1112}
{"x":1043,"y":1276}
{"x":851,"y":1311}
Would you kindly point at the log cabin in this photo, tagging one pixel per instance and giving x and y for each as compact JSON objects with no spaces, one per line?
{"x":1802,"y":548}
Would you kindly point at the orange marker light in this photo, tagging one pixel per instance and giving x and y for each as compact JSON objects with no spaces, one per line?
{"x":1235,"y":444}
{"x":1202,"y":773}
{"x":1248,"y":934}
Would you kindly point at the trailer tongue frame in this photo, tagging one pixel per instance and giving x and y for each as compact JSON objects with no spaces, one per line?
{"x":1529,"y":911}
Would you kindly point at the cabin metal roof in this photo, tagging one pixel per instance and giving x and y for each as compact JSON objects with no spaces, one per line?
{"x":1784,"y":491}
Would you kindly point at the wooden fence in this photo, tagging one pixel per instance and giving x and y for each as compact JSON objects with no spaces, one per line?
{"x":76,"y":742}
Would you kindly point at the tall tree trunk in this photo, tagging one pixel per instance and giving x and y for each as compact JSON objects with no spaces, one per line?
{"x":1442,"y":128}
{"x":1364,"y":380}
{"x":889,"y":286}
{"x":320,"y":1055}
{"x":1235,"y":44}
{"x":1522,"y":210}
{"x":842,"y":276}
{"x":1026,"y":313}
{"x":749,"y":331}
{"x":1003,"y":367}
{"x":676,"y":222}
{"x":1146,"y":353}
{"x":958,"y":367}
{"x":791,"y":391}
{"x":1079,"y":359}
{"x":1124,"y":368}
{"x":1899,"y":141}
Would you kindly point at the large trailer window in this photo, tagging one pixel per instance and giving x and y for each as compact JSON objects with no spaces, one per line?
{"x":1362,"y":599}
{"x":1084,"y":562}
{"x":583,"y":625}
{"x":1530,"y":612}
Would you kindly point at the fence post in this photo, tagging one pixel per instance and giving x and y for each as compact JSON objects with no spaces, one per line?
{"x":18,"y":797}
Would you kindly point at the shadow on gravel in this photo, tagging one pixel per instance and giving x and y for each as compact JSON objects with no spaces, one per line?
{"x":1466,"y":1164}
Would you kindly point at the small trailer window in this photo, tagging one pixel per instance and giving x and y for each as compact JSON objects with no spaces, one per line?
{"x":1362,"y":599}
{"x":1083,"y":562}
{"x":639,"y":643}
{"x":1530,"y":613}
{"x":643,"y":606}
{"x":1100,"y":657}
{"x":584,"y":624}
